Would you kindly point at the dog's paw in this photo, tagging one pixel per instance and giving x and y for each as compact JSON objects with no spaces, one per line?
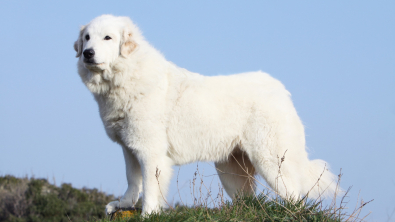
{"x":112,"y":207}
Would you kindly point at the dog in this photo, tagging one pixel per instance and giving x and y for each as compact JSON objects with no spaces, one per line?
{"x":162,"y":115}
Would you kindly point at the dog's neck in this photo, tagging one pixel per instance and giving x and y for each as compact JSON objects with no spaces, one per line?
{"x":101,"y":81}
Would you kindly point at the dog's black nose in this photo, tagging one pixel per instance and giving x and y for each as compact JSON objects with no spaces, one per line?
{"x":89,"y":53}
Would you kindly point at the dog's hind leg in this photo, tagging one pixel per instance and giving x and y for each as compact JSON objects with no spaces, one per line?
{"x":237,"y":174}
{"x":275,"y":143}
{"x":278,"y":156}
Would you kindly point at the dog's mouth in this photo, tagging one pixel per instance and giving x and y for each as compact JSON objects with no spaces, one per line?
{"x":92,"y":64}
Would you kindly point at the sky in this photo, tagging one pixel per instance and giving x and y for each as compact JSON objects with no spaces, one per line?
{"x":337,"y":58}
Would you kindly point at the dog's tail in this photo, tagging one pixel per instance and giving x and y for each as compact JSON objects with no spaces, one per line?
{"x":321,"y":182}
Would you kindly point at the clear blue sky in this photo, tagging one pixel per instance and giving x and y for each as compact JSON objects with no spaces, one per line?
{"x":336,"y":58}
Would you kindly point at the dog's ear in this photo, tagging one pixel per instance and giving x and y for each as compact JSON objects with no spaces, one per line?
{"x":78,"y":43}
{"x":127,"y":43}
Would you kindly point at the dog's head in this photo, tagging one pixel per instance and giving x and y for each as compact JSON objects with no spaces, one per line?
{"x":104,"y":40}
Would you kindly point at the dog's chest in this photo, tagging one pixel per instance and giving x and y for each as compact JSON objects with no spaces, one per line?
{"x":113,"y":114}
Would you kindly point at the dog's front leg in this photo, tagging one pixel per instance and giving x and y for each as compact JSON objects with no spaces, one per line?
{"x":156,"y":170}
{"x":134,"y":177}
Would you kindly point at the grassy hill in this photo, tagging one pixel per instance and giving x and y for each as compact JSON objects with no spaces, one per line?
{"x":30,"y":199}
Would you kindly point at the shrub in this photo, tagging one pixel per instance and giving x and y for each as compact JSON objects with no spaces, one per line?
{"x":23,"y":199}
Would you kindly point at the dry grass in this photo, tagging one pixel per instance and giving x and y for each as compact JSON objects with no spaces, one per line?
{"x":29,"y":199}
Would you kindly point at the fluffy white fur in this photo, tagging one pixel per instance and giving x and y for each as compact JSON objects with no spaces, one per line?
{"x":163,"y":115}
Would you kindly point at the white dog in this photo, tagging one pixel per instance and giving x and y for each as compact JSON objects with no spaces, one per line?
{"x":163,"y":115}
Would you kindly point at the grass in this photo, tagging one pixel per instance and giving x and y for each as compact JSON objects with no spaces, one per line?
{"x":247,"y":208}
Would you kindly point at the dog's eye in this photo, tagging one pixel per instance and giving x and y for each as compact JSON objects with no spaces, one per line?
{"x":87,"y":37}
{"x":107,"y":37}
